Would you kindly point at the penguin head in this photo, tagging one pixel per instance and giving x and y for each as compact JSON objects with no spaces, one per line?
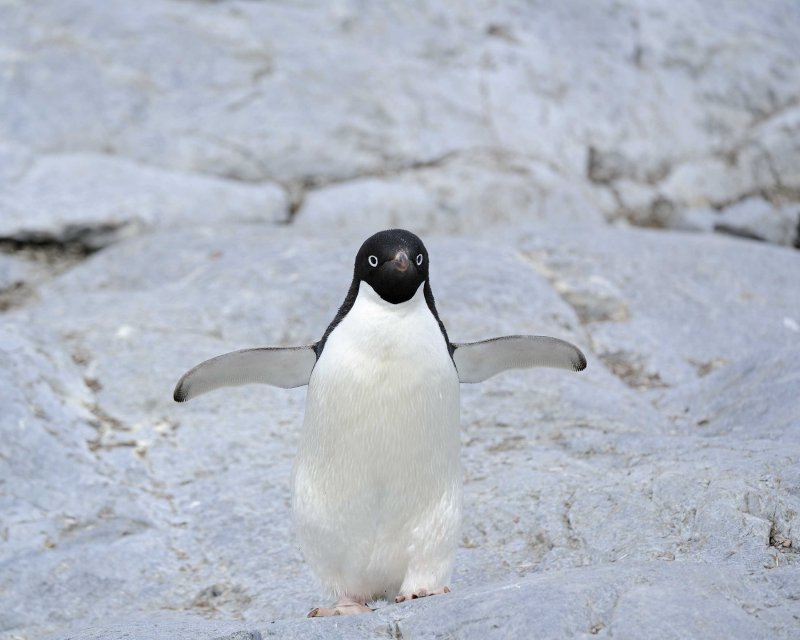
{"x":394,"y":263}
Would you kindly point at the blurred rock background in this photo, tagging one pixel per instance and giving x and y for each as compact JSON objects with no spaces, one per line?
{"x":182,"y":178}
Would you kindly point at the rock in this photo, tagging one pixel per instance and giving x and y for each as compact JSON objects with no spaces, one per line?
{"x":757,"y":219}
{"x":753,"y":218}
{"x":254,"y":105}
{"x":190,"y":502}
{"x":776,"y":144}
{"x":163,"y":626}
{"x":181,"y":179}
{"x":15,"y":272}
{"x":706,"y":183}
{"x":14,"y":160}
{"x":702,"y":299}
{"x":460,"y":193}
{"x":94,"y":200}
{"x":241,"y":635}
{"x":668,"y":599}
{"x":72,"y":526}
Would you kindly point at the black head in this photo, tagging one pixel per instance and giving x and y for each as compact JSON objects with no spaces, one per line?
{"x":394,"y":263}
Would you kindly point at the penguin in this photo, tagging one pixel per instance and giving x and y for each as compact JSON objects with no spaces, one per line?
{"x":377,"y":480}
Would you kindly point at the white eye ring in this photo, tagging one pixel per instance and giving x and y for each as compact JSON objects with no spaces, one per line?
{"x":419,"y":259}
{"x":373,"y":261}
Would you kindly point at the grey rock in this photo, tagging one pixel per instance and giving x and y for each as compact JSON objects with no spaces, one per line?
{"x":14,"y":161}
{"x":675,"y":444}
{"x":668,"y":599}
{"x":180,"y":179}
{"x":753,"y":218}
{"x":774,"y":148}
{"x":163,"y":626}
{"x":95,"y":200}
{"x":241,"y":635}
{"x":705,"y":183}
{"x":677,"y":300}
{"x":256,"y":104}
{"x":463,"y":192}
{"x":16,"y":271}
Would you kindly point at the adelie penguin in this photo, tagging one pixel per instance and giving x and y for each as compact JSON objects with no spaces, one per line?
{"x":376,"y":485}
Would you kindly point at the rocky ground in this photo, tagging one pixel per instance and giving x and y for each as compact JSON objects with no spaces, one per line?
{"x":183,"y":178}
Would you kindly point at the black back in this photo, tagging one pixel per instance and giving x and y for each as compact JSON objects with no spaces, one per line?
{"x":377,"y":264}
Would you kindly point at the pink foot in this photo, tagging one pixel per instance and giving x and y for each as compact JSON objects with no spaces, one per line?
{"x":344,"y":607}
{"x":421,"y":593}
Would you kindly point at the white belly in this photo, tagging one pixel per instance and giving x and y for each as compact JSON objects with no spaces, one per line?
{"x":377,"y":479}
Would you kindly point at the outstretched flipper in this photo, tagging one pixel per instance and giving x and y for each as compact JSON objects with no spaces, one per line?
{"x":478,"y":361}
{"x":285,"y":367}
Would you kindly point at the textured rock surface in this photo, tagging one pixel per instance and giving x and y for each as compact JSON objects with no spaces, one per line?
{"x":678,"y":445}
{"x":608,"y":601}
{"x":98,"y":199}
{"x":183,"y":178}
{"x":525,"y":110}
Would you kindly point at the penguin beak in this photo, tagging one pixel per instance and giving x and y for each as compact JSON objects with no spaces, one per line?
{"x":401,"y":261}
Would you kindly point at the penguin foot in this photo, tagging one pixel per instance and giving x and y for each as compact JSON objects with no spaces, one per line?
{"x":421,"y":593}
{"x":344,"y":607}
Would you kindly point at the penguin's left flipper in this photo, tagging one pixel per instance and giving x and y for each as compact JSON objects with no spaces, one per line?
{"x":285,"y":367}
{"x":478,"y":361}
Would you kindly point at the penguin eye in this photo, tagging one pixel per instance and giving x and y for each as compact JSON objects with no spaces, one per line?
{"x":373,"y":261}
{"x":419,"y":259}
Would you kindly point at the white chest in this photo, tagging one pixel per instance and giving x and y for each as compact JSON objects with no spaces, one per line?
{"x":380,"y":346}
{"x":382,"y":404}
{"x":385,"y":375}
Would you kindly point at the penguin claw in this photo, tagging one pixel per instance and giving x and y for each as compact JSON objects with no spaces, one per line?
{"x":421,"y":593}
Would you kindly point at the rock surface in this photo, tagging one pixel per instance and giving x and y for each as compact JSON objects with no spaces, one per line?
{"x":185,"y":178}
{"x":100,"y":199}
{"x":466,"y":116}
{"x":679,"y":444}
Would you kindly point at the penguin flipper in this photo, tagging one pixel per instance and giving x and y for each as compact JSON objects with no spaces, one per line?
{"x":478,"y":361}
{"x":285,"y":367}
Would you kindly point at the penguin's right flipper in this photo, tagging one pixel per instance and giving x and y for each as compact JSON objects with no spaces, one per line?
{"x":285,"y":367}
{"x":478,"y":361}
